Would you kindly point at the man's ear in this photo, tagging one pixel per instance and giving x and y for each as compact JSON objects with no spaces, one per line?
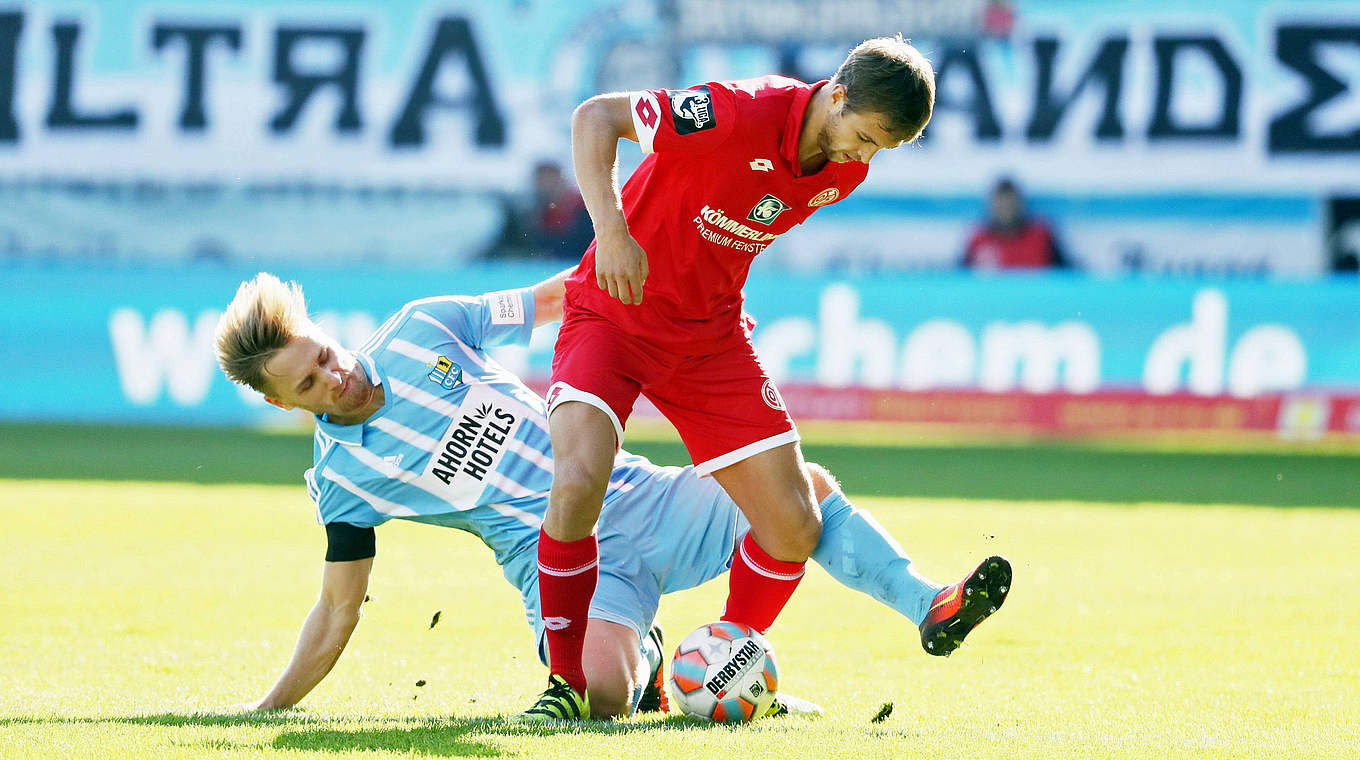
{"x":837,"y":94}
{"x":279,"y":404}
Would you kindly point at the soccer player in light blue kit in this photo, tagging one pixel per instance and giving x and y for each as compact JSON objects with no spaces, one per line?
{"x":420,"y":423}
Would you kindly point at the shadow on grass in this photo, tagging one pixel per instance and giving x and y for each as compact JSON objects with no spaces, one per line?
{"x":431,"y":736}
{"x":1043,"y":471}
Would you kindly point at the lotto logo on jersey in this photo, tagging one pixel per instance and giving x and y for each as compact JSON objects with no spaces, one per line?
{"x":692,"y":110}
{"x":767,"y":210}
{"x":646,"y":118}
{"x":445,"y":374}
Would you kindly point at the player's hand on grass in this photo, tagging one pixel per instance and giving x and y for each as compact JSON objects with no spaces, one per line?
{"x":620,"y":266}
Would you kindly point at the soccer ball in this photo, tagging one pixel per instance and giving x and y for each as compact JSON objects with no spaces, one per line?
{"x":724,"y":672}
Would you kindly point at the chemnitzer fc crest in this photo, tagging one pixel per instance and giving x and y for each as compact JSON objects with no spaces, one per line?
{"x":692,"y":110}
{"x":445,"y":374}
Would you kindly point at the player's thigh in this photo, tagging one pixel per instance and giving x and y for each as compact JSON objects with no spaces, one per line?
{"x":724,"y":406}
{"x":599,"y":365}
{"x":614,"y":667}
{"x":773,"y":490}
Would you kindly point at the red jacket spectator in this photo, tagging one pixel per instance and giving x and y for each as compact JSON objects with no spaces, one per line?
{"x":1011,"y":239}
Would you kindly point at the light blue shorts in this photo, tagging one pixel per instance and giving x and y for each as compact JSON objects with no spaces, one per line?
{"x":671,"y":530}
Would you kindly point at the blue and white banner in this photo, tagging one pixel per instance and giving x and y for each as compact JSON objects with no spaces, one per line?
{"x":1157,"y":136}
{"x":135,"y":344}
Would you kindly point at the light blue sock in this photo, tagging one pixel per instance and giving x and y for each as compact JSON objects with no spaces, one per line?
{"x":859,"y":553}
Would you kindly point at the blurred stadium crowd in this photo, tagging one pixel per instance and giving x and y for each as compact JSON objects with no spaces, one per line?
{"x":438,"y":133}
{"x":1117,"y":143}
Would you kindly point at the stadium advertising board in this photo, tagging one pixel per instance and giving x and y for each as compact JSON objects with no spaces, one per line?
{"x":1158,"y":137}
{"x":1053,"y":352}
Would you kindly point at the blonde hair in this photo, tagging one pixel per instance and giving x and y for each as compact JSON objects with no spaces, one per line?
{"x":263,"y":317}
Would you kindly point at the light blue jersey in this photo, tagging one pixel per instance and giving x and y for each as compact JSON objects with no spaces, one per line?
{"x":463,"y":443}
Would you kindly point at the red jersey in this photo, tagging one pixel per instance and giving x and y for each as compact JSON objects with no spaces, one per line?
{"x":720,"y":181}
{"x":1030,"y":246}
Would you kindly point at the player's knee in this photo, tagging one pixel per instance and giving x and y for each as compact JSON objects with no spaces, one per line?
{"x":804,"y":530}
{"x":610,"y":704}
{"x":807,"y":532}
{"x":578,"y":486}
{"x":798,"y":533}
{"x":823,"y":482}
{"x":611,"y":694}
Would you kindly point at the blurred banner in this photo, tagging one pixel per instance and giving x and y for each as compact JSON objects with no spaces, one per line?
{"x":1043,"y":353}
{"x":1157,"y":136}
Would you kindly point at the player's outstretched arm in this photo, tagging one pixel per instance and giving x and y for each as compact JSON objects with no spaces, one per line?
{"x":548,"y":297}
{"x":596,"y":126}
{"x":324,"y":634}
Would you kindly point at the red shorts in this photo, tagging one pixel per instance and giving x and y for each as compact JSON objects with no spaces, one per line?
{"x":723,"y":404}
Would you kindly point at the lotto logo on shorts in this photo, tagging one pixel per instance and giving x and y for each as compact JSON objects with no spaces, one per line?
{"x":445,"y":374}
{"x":771,"y":396}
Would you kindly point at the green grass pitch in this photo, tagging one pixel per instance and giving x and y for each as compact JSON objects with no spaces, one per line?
{"x":133,"y":611}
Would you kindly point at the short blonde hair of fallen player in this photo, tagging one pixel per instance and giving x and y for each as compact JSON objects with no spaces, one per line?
{"x":261,"y":319}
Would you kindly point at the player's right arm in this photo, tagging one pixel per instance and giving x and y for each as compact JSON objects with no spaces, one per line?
{"x":548,"y":296}
{"x":596,"y":126}
{"x":324,"y":634}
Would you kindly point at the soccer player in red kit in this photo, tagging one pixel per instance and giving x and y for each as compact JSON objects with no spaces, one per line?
{"x":655,"y":308}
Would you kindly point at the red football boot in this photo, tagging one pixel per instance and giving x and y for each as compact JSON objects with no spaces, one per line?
{"x":958,"y":609}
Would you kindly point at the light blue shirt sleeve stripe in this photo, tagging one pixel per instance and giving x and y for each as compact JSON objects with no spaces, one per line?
{"x":378,"y":503}
{"x":470,"y":356}
{"x":423,"y":398}
{"x":406,"y":435}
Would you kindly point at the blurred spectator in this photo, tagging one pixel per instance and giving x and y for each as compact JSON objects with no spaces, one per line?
{"x":1011,"y":238}
{"x":1343,"y":238}
{"x":998,"y":19}
{"x":550,"y":221}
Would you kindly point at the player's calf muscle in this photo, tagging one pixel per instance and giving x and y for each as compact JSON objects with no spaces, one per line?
{"x":823,"y":482}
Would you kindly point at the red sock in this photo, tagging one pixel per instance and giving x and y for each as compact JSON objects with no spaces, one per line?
{"x":567,"y":573}
{"x":759,"y":586}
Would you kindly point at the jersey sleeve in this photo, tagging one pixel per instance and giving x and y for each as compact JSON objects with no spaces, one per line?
{"x":338,"y":500}
{"x":696,"y":120}
{"x":493,"y":319}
